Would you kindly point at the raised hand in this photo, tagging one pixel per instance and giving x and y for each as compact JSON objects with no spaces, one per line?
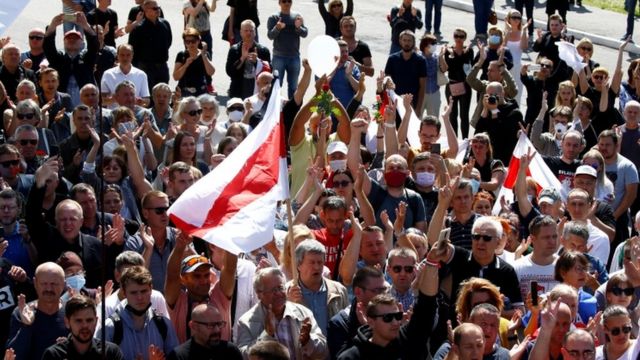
{"x":27,"y":311}
{"x":305,"y":331}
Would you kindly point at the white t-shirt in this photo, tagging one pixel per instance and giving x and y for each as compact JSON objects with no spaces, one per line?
{"x":114,"y":76}
{"x":599,"y":243}
{"x":626,"y":356}
{"x":528,"y":271}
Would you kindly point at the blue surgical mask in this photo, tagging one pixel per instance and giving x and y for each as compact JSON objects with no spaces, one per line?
{"x":425,"y":178}
{"x":494,"y":40}
{"x":475,"y":185}
{"x":76,"y":282}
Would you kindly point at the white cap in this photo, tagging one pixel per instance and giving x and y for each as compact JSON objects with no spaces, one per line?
{"x":586,"y":170}
{"x":337,"y":146}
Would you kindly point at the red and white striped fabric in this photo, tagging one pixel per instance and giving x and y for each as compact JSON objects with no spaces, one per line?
{"x":234,"y":206}
{"x":538,"y":170}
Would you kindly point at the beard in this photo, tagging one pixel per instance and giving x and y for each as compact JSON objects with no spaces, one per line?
{"x":82,"y":337}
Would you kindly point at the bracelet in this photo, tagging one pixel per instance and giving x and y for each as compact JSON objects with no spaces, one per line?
{"x":429,"y":263}
{"x":390,"y":125}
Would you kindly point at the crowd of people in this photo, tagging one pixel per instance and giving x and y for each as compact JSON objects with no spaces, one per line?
{"x":396,"y":245}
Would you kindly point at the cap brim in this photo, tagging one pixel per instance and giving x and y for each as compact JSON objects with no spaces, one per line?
{"x":196,"y":266}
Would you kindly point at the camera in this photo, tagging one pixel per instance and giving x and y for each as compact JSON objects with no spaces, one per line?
{"x":493,"y":99}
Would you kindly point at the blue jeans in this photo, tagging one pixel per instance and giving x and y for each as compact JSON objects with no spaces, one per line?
{"x":482,"y":9}
{"x":630,"y":6}
{"x":290,"y":65}
{"x":430,"y":5}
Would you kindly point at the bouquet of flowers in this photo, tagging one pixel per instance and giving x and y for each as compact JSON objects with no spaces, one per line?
{"x":324,"y":100}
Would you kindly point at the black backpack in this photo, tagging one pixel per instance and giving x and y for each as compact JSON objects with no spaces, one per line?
{"x":118,"y":329}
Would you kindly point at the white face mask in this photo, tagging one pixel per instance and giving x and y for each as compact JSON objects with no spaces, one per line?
{"x":338,"y":164}
{"x":475,"y":185}
{"x":235,"y":115}
{"x":560,"y":128}
{"x":425,"y":178}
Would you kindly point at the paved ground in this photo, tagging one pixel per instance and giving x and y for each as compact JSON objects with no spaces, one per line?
{"x":372,"y":27}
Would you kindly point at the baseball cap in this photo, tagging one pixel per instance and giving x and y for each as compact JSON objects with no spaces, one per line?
{"x":337,"y":146}
{"x":234,"y":101}
{"x":586,"y":170}
{"x":191,"y":263}
{"x":549,"y":195}
{"x":73,"y":32}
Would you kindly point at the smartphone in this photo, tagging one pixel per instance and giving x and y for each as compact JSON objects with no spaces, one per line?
{"x":69,"y":18}
{"x":443,"y":240}
{"x":534,"y":293}
{"x":435,"y":148}
{"x":1,"y":232}
{"x":534,"y":67}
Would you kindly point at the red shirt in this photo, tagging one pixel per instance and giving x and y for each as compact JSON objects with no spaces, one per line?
{"x":332,"y":244}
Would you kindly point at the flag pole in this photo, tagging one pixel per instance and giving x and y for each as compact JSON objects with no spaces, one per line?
{"x":292,"y":248}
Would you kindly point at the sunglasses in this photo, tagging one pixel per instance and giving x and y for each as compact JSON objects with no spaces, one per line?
{"x":585,"y":48}
{"x":285,"y":1}
{"x":155,"y":8}
{"x":27,"y":116}
{"x":336,"y":6}
{"x":516,"y":18}
{"x":459,"y":36}
{"x":235,"y":108}
{"x":545,"y":66}
{"x":36,"y":37}
{"x":190,"y":41}
{"x":341,"y":184}
{"x":10,"y":163}
{"x":477,"y":237}
{"x":211,"y":325}
{"x":390,"y":316}
{"x":194,"y":112}
{"x":398,"y":269}
{"x":626,"y":329}
{"x":626,"y":291}
{"x":159,"y":210}
{"x":598,"y":77}
{"x":26,"y":142}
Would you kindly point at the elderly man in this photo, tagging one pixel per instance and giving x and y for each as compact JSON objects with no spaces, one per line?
{"x":151,"y":41}
{"x":556,"y":321}
{"x":578,"y":344}
{"x":26,"y":140}
{"x":12,"y":72}
{"x":500,"y":119}
{"x":32,"y":58}
{"x":37,"y":325}
{"x":81,"y":320}
{"x":125,"y":71}
{"x":206,"y":326}
{"x":89,"y":97}
{"x":275,"y":318}
{"x":51,"y":241}
{"x":367,"y":283}
{"x":189,"y":282}
{"x":630,"y":140}
{"x":74,"y":65}
{"x":468,"y":342}
{"x":244,"y":61}
{"x":324,"y":297}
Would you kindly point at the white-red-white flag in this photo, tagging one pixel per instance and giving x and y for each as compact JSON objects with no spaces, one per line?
{"x":538,"y":170}
{"x":234,"y":206}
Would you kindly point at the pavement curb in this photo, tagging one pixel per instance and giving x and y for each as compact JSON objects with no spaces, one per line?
{"x":596,"y":39}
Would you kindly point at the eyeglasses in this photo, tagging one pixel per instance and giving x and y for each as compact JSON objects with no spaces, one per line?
{"x":586,"y":48}
{"x":190,"y":41}
{"x":545,"y":66}
{"x":212,"y":325}
{"x":390,"y":316}
{"x":194,"y":112}
{"x":10,"y":163}
{"x":617,"y":291}
{"x":626,"y":329}
{"x":477,"y":237}
{"x":36,"y":37}
{"x":278,"y":289}
{"x":27,"y":116}
{"x":586,"y":354}
{"x":598,"y":77}
{"x":341,"y":184}
{"x":159,"y":210}
{"x":408,"y":269}
{"x":8,"y":207}
{"x":25,"y":142}
{"x":459,"y":36}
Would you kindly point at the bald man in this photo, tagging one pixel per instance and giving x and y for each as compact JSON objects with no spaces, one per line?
{"x":578,"y":344}
{"x":468,"y":342}
{"x":51,"y":241}
{"x":36,"y":325}
{"x":556,"y":321}
{"x":206,"y":324}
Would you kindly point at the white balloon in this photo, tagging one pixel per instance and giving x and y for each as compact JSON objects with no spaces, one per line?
{"x":323,"y":54}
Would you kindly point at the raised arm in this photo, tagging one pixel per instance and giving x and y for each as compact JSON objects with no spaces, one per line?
{"x":389,"y":121}
{"x":366,"y":209}
{"x":358,"y":127}
{"x":349,"y":262}
{"x":228,"y":274}
{"x":298,"y":127}
{"x":307,"y":208}
{"x":172,"y":283}
{"x":617,"y":73}
{"x":452,"y":139}
{"x":437,"y":220}
{"x":135,"y":167}
{"x":520,"y":187}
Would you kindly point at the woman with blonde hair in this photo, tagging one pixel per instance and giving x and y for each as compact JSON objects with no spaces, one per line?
{"x":604,"y":186}
{"x":566,"y":95}
{"x":516,"y":39}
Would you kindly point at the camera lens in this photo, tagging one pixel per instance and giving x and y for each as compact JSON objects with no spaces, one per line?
{"x":493,"y":99}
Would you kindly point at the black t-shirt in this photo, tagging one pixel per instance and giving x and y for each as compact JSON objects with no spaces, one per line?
{"x":360,"y":52}
{"x":243,"y":10}
{"x":97,"y":16}
{"x":191,"y":350}
{"x":194,"y":80}
{"x":562,"y":170}
{"x":430,"y":199}
{"x":608,"y":118}
{"x":456,"y":64}
{"x":133,"y":12}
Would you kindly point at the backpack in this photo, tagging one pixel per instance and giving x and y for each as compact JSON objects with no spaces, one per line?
{"x":118,"y":329}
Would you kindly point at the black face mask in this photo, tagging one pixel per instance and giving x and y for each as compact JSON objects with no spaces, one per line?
{"x":137,"y":312}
